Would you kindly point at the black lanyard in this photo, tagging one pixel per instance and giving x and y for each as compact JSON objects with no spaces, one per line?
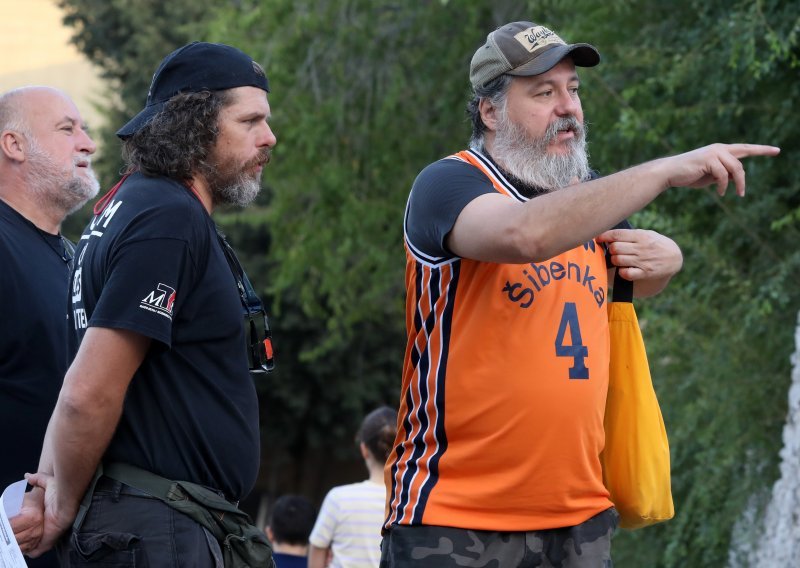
{"x":257,"y":331}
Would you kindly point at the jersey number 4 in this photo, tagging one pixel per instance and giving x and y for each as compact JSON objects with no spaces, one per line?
{"x":576,"y":349}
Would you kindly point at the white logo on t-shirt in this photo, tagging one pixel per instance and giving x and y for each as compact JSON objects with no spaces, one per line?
{"x":160,"y":300}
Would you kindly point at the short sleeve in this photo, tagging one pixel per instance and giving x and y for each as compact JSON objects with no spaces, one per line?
{"x":146,"y":283}
{"x":439,"y":194}
{"x":322,"y":533}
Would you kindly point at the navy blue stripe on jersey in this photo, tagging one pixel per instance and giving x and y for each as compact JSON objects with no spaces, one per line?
{"x":434,"y":286}
{"x":416,"y":453}
{"x":423,"y":419}
{"x":439,"y":397}
{"x":418,"y":274}
{"x":406,"y":425}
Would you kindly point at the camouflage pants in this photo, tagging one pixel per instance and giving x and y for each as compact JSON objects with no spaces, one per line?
{"x":587,"y":545}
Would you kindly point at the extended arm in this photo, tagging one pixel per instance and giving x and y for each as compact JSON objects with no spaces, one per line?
{"x":494,"y":228}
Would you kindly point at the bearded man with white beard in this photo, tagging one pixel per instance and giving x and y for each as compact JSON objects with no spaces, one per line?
{"x":45,"y":174}
{"x":508,"y":245}
{"x":165,"y":335}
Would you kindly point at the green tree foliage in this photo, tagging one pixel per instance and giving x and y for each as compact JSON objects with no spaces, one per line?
{"x":367,"y":92}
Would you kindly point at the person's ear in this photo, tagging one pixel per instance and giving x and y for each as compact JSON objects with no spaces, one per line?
{"x":488,"y":114}
{"x":268,"y":530}
{"x":13,"y":145}
{"x":364,"y":451}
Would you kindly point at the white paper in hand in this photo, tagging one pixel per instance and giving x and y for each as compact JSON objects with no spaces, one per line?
{"x":10,"y":554}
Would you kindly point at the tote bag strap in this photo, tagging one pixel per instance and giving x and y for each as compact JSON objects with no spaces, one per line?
{"x":622,"y":290}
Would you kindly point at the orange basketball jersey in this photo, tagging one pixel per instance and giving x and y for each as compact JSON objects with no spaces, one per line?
{"x":504,"y":390}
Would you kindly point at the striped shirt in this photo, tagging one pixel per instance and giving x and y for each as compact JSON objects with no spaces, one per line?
{"x":349,"y":523}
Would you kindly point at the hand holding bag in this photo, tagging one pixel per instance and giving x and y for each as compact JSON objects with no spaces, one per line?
{"x":636,"y":469}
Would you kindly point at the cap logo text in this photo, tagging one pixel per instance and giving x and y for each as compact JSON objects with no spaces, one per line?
{"x":535,"y":38}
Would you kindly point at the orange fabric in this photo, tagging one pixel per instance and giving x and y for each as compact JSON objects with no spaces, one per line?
{"x":494,"y":434}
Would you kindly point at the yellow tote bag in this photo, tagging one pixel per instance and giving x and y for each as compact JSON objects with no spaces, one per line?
{"x":635,"y":460}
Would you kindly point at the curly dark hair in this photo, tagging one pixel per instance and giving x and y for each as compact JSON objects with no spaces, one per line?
{"x":496,"y":91}
{"x":377,"y":432}
{"x":176,"y":142}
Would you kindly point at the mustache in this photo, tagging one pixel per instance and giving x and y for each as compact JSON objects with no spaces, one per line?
{"x":562,"y":123}
{"x":82,"y":161}
{"x":262,"y":158}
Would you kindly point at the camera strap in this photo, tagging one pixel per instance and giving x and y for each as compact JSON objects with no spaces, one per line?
{"x":250,"y":301}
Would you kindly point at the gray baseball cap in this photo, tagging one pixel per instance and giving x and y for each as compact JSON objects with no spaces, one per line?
{"x":524,"y":49}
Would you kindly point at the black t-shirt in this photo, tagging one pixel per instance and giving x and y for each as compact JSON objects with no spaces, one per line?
{"x":33,"y":357}
{"x":151,"y":262}
{"x":440,"y":193}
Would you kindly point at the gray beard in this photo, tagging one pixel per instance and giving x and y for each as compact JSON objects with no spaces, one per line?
{"x":56,"y":188}
{"x":233,"y":186}
{"x":527,"y":159}
{"x":240,"y":191}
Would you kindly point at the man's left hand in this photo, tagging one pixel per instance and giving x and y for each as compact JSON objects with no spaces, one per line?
{"x":648,"y":258}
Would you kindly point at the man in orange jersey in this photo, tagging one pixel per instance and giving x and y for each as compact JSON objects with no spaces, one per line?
{"x":506,"y":369}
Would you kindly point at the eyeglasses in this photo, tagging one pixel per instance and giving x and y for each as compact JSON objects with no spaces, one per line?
{"x":257,"y":333}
